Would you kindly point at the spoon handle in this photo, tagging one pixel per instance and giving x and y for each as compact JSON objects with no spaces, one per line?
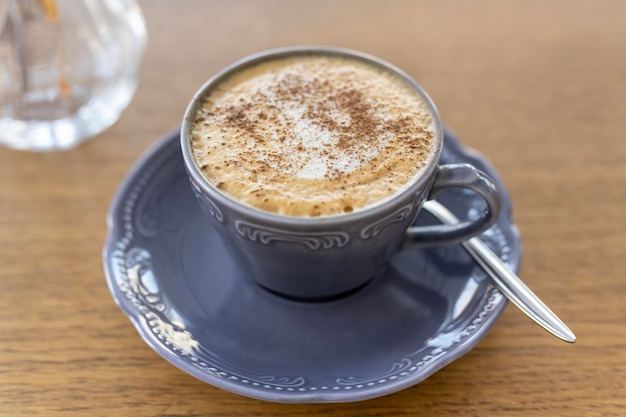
{"x":505,"y":280}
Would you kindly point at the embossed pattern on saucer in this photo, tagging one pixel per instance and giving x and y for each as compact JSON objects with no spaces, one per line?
{"x":168,"y":271}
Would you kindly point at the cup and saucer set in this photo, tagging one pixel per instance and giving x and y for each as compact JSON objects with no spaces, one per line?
{"x":181,"y":263}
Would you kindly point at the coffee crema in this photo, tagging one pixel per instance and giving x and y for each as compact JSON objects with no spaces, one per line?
{"x":314,"y":135}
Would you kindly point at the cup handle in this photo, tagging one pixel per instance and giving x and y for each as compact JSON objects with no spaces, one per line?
{"x":458,"y":176}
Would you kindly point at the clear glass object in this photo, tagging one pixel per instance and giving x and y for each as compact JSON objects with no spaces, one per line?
{"x":68,"y":68}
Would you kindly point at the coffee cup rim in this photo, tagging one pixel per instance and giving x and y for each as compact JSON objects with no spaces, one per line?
{"x":421,"y":177}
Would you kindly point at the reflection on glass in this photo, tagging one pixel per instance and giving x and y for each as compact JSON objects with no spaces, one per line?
{"x":68,"y":68}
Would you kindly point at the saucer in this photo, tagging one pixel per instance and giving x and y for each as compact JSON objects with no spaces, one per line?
{"x":168,"y":271}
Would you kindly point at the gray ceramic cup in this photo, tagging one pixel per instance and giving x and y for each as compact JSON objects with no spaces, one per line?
{"x":326,"y":257}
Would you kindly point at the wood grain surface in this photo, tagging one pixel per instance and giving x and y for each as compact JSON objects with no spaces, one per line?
{"x":539,"y":87}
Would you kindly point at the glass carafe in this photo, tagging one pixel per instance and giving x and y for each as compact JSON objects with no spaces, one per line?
{"x":68,"y":68}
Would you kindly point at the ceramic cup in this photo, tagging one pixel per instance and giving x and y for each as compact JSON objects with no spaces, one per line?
{"x":325,"y":257}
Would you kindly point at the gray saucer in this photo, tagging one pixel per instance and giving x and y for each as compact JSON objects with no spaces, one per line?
{"x":168,"y":271}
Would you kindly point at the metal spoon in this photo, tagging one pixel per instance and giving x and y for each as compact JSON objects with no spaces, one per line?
{"x":505,"y":280}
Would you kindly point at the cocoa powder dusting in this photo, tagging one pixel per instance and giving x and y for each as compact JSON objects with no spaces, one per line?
{"x":334,"y":133}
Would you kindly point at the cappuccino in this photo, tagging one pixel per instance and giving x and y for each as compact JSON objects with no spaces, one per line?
{"x":313,"y":135}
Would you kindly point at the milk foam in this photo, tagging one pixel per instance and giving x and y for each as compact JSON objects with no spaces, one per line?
{"x":313,"y":136}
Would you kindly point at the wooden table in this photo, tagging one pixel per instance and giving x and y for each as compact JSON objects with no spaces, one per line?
{"x":539,"y":87}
